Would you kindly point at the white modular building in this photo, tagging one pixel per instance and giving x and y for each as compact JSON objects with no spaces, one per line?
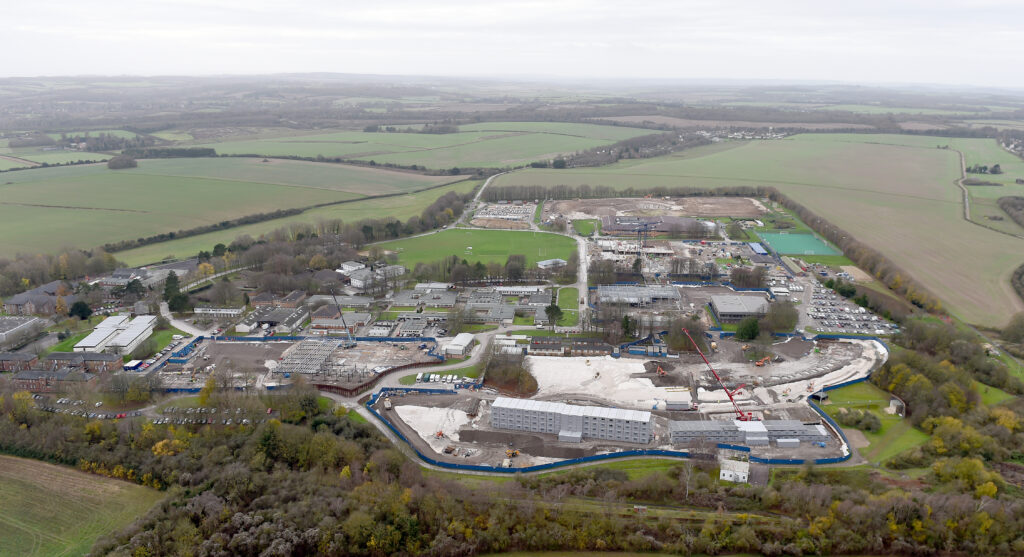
{"x":103,"y":334}
{"x":137,"y":331}
{"x":460,"y":345}
{"x":572,"y":423}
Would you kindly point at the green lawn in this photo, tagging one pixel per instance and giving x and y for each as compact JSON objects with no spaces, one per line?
{"x":586,"y":227}
{"x":896,"y":435}
{"x":891,"y":192}
{"x":164,"y":337}
{"x":68,"y":344}
{"x":48,"y":208}
{"x":569,"y":318}
{"x":991,"y":396}
{"x":478,"y":328}
{"x":523,"y":320}
{"x":568,"y":298}
{"x":57,"y":510}
{"x":481,"y":245}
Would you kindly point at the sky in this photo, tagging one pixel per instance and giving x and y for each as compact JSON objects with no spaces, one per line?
{"x":868,"y":41}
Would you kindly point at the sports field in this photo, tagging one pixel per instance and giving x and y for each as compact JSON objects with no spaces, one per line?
{"x":56,"y":510}
{"x":896,"y":434}
{"x":797,"y":244}
{"x":491,"y":144}
{"x":45,"y":209}
{"x":893,"y":192}
{"x":400,"y":207}
{"x":481,"y":245}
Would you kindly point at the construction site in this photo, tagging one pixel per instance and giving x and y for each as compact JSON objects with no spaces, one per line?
{"x":686,"y":403}
{"x":703,"y":207}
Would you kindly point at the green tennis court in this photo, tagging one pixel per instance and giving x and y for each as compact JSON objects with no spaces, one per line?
{"x":797,"y":244}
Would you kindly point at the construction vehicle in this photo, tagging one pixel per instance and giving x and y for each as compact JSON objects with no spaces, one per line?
{"x":661,"y":372}
{"x":349,"y":341}
{"x":740,"y":415}
{"x":714,"y":346}
{"x":387,"y":404}
{"x":439,"y":435}
{"x":511,"y":453}
{"x":763,"y":361}
{"x":745,"y":347}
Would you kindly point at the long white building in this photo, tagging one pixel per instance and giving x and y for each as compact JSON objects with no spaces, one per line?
{"x":572,"y":423}
{"x":101,"y":336}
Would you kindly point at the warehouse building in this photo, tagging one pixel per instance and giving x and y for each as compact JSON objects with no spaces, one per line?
{"x":731,"y":308}
{"x":460,"y":345}
{"x":572,"y":423}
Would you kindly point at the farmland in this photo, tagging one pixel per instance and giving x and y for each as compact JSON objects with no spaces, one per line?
{"x":55,"y":510}
{"x":400,"y":207}
{"x":481,"y":245}
{"x":492,"y":144}
{"x":47,"y":208}
{"x":894,"y":193}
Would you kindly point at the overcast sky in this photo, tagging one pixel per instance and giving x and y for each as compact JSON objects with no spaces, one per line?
{"x":867,"y":41}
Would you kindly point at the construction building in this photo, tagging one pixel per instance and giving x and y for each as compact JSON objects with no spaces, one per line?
{"x":572,"y":423}
{"x":309,"y":357}
{"x":638,"y":296}
{"x":749,"y":433}
{"x":736,"y":471}
{"x":732,"y":308}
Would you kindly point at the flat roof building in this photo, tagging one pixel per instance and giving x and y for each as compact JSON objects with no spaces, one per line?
{"x":103,"y":334}
{"x":731,"y":308}
{"x":132,"y":336}
{"x":572,"y":423}
{"x":460,"y":345}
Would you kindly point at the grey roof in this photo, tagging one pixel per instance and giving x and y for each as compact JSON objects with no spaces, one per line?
{"x":635,"y":294}
{"x":16,"y":357}
{"x":59,"y":375}
{"x":702,"y":426}
{"x":568,"y":409}
{"x":739,"y":304}
{"x":76,"y":357}
{"x":11,"y":322}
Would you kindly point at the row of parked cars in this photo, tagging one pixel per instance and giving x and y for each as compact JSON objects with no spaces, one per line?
{"x":90,"y":415}
{"x":201,"y":410}
{"x":206,"y":421}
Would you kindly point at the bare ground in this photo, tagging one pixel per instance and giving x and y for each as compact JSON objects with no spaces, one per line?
{"x":743,"y":207}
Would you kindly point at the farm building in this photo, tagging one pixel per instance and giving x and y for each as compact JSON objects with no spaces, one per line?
{"x":460,"y":345}
{"x":572,"y":423}
{"x":731,"y":308}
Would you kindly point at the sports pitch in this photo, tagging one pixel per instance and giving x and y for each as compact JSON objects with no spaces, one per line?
{"x":86,"y":206}
{"x":895,"y":193}
{"x":56,"y":510}
{"x":797,"y":244}
{"x":491,"y":144}
{"x":481,"y":245}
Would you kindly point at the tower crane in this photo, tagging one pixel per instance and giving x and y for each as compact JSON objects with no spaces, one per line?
{"x":740,"y":415}
{"x":349,"y":341}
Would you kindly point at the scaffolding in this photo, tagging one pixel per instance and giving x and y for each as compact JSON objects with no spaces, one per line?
{"x":309,"y":357}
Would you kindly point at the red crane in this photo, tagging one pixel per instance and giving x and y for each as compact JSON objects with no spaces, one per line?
{"x":740,"y":415}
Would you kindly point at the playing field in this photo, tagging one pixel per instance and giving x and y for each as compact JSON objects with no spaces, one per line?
{"x":797,"y":244}
{"x":400,"y":207}
{"x":46,"y":209}
{"x":899,"y":198}
{"x":491,"y":144}
{"x":481,"y":245}
{"x":56,"y":510}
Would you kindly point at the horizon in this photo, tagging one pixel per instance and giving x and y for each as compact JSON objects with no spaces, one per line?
{"x":796,"y":41}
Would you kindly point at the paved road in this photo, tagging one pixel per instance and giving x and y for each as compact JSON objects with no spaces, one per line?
{"x":181,"y":325}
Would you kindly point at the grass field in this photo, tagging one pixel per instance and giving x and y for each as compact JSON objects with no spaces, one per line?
{"x":56,"y":510}
{"x":85,"y":206}
{"x":68,"y":344}
{"x":991,"y":396}
{"x":491,"y":144}
{"x":401,"y":207}
{"x":585,"y":227}
{"x":892,"y":192}
{"x":896,"y":435}
{"x":487,"y":246}
{"x":568,"y":300}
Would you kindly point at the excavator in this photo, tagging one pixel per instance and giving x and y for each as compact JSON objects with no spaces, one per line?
{"x":763,"y":361}
{"x":511,"y":453}
{"x":661,"y":372}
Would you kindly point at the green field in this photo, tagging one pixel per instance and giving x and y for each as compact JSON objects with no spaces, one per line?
{"x":45,"y":209}
{"x":481,"y":245}
{"x":568,"y":300}
{"x":491,"y":144}
{"x":68,"y":344}
{"x":586,"y":227}
{"x":896,"y":435}
{"x":991,"y":396}
{"x":56,"y":510}
{"x":896,"y":193}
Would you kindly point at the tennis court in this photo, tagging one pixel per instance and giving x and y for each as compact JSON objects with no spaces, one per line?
{"x":797,"y":244}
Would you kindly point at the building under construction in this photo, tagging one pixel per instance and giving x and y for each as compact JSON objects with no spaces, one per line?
{"x":310,"y":357}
